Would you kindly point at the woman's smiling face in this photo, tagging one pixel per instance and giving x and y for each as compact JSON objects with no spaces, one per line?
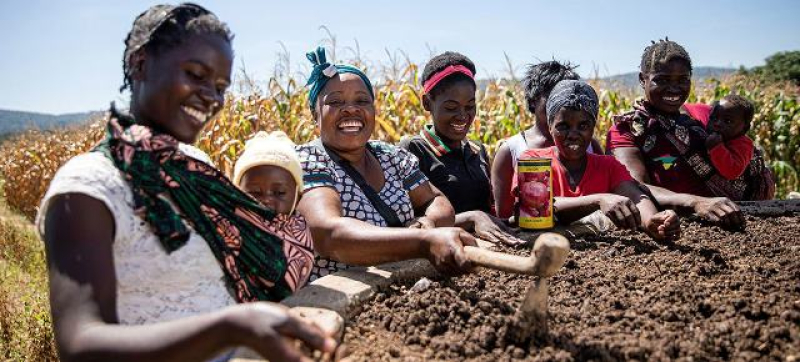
{"x":453,"y":110}
{"x":346,"y":113}
{"x":667,"y":87}
{"x":572,"y":132}
{"x":179,"y":90}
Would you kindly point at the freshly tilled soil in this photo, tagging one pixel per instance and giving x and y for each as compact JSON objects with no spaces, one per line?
{"x":712,"y":295}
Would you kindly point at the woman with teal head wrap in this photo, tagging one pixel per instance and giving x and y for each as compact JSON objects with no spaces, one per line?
{"x":324,"y":71}
{"x":366,"y":201}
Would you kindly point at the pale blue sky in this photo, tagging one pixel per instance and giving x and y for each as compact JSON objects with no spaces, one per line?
{"x":65,"y":56}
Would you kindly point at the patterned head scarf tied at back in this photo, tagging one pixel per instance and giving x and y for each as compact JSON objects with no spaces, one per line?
{"x":324,"y":71}
{"x":572,"y":94}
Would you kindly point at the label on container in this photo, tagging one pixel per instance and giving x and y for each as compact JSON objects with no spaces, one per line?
{"x":534,"y":179}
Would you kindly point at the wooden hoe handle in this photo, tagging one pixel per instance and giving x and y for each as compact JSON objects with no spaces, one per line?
{"x":549,"y":253}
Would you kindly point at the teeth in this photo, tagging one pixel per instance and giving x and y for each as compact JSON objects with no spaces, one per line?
{"x":198,"y":115}
{"x":672,"y":99}
{"x":459,"y":126}
{"x":574,"y":147}
{"x":351,"y":126}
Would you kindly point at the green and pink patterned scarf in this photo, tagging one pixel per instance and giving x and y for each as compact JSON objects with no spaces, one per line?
{"x":688,"y":138}
{"x":264,"y":256}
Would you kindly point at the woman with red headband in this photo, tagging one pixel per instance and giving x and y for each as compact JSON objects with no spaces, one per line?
{"x":455,"y":165}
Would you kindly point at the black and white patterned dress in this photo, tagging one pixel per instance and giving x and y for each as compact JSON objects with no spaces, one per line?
{"x":402,"y":174}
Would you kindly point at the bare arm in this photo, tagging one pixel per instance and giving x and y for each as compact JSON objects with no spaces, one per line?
{"x":502,"y":177}
{"x":715,"y":209}
{"x":620,"y":209}
{"x":487,"y":227}
{"x":659,"y":225}
{"x":428,"y":200}
{"x":631,"y":158}
{"x":571,"y":209}
{"x":79,"y":234}
{"x":631,"y":190}
{"x":353,"y":241}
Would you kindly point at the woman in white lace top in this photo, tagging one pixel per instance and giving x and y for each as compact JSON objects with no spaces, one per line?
{"x":152,"y":253}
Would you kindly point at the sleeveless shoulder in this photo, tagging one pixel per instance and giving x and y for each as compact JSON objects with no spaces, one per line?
{"x":152,"y":286}
{"x":94,"y":175}
{"x":516,"y":146}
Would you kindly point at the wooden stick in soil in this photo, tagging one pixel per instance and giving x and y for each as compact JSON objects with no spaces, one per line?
{"x":532,"y":313}
{"x":549,"y":253}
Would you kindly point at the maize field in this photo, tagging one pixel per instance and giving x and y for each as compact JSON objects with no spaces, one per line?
{"x":30,"y":160}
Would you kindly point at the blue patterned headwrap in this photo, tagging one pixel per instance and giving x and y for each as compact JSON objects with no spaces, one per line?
{"x":572,"y":94}
{"x":324,"y":71}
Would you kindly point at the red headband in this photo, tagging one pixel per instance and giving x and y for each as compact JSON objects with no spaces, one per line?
{"x":436,"y":78}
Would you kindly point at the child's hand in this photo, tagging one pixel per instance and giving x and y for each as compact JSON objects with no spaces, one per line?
{"x":713,"y":140}
{"x":664,"y":225}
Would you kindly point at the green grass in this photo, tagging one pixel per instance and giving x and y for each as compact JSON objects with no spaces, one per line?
{"x":26,"y":332}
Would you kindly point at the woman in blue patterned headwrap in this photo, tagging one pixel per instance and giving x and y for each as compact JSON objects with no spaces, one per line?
{"x":366,"y":201}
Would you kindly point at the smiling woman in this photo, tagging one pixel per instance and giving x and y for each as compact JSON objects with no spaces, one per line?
{"x":366,"y":201}
{"x":144,"y":220}
{"x":185,"y":89}
{"x":456,"y":165}
{"x":665,"y":148}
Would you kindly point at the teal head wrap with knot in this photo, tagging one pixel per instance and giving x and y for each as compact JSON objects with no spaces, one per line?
{"x":324,"y":71}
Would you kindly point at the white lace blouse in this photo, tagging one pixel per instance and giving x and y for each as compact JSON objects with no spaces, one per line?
{"x":152,"y":286}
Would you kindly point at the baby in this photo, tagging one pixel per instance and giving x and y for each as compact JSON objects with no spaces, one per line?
{"x":270,"y":171}
{"x":728,"y":146}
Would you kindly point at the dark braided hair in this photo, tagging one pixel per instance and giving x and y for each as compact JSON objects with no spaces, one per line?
{"x":662,"y":52}
{"x":163,"y":27}
{"x":442,"y":61}
{"x":540,"y":79}
{"x":740,"y":102}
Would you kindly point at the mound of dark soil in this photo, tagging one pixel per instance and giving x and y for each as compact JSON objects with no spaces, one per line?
{"x":712,"y":295}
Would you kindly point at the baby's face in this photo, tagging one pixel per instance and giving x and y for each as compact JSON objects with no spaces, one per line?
{"x":273,"y":186}
{"x":728,"y":120}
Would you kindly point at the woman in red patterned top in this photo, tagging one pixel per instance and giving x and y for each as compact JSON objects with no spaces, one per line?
{"x":659,"y":145}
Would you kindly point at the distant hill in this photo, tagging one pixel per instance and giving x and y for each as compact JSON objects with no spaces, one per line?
{"x":17,"y":121}
{"x":631,"y":80}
